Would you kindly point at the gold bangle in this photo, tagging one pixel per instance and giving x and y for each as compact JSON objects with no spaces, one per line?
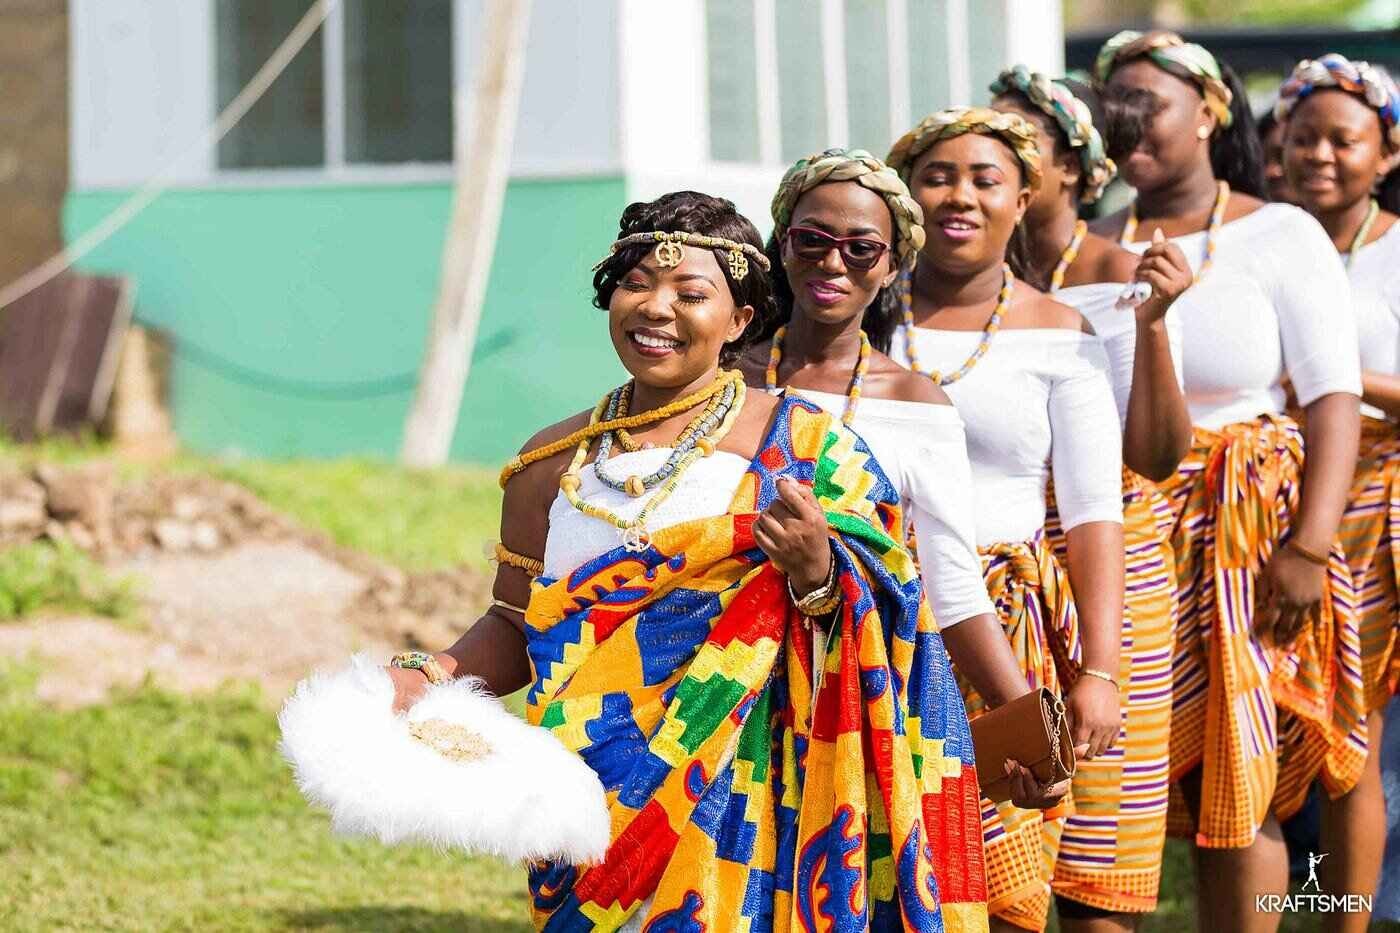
{"x":1311,"y":557}
{"x":1101,"y":675}
{"x":421,"y":661}
{"x":821,"y":601}
{"x":505,"y":605}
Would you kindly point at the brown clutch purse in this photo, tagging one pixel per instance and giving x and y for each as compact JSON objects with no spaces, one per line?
{"x":1030,"y":729}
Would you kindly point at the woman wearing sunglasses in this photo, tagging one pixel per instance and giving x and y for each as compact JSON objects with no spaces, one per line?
{"x":664,"y":558}
{"x":1342,"y":123}
{"x":1266,"y":690}
{"x":1030,"y":381}
{"x":844,"y":225}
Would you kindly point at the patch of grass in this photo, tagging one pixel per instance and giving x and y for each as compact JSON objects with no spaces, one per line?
{"x":48,"y":576}
{"x":417,"y":519}
{"x":159,"y":812}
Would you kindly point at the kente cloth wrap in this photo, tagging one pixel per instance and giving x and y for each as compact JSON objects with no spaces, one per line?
{"x":1260,"y":721}
{"x":1174,"y":55}
{"x":1109,"y":853}
{"x":1030,"y":590}
{"x":1372,"y":84}
{"x":1370,"y":536}
{"x":1010,"y":128}
{"x":864,"y":169}
{"x":1073,"y":118}
{"x":751,"y":786}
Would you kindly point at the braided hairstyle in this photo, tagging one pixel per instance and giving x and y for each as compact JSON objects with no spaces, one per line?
{"x":693,"y":212}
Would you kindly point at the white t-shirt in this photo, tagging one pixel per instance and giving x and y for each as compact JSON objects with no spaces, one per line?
{"x":1274,"y":303}
{"x":922,"y":448}
{"x":1038,"y":397}
{"x":1375,"y":289}
{"x":1117,"y":330}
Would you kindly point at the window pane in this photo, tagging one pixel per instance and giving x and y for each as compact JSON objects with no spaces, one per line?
{"x":801,"y":79}
{"x":285,"y":127}
{"x":398,"y":80}
{"x":928,"y":58}
{"x":867,"y":76}
{"x":732,"y":66}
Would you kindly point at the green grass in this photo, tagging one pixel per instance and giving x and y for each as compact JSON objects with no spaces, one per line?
{"x":158,"y":812}
{"x":58,"y":577}
{"x":417,"y":519}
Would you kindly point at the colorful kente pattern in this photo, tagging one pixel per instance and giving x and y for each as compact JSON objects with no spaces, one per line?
{"x":751,"y":789}
{"x":1260,"y":722}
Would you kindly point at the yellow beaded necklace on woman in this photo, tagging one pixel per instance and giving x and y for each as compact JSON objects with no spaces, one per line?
{"x":1067,"y":258}
{"x":635,"y":535}
{"x":1008,"y":282}
{"x":775,"y":356}
{"x":1217,"y":220}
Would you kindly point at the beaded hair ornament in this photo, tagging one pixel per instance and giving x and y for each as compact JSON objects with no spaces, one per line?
{"x":864,"y":169}
{"x":669,"y":252}
{"x":1010,"y":128}
{"x":1373,"y":85}
{"x":1073,"y":118}
{"x":1174,"y":55}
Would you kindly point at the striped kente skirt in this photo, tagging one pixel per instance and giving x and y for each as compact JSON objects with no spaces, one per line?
{"x":1260,"y":722}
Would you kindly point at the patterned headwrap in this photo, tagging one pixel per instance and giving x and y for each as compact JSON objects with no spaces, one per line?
{"x":1172,"y":54}
{"x":1373,"y":85}
{"x":1072,"y":116}
{"x":864,"y":169}
{"x":1010,"y":128}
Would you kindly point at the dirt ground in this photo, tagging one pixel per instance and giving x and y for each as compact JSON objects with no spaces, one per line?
{"x":231,"y":591}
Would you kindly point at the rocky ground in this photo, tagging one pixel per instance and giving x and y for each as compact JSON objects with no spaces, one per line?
{"x":230,"y":589}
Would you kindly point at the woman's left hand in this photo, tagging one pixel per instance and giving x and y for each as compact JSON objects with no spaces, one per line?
{"x":1291,"y":588}
{"x":793,"y":533}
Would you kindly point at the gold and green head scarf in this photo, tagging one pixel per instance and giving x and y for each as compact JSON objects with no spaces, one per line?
{"x":864,"y":169}
{"x":1073,"y":118}
{"x":1010,"y":128}
{"x":1173,"y":55}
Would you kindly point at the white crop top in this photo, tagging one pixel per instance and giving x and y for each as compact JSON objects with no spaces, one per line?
{"x":1038,"y":396}
{"x":1375,"y":289}
{"x":1117,"y":330}
{"x":704,"y":491}
{"x":923,"y":450}
{"x":1274,"y":303}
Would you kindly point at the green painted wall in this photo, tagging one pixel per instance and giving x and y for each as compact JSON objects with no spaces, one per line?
{"x":284,"y":301}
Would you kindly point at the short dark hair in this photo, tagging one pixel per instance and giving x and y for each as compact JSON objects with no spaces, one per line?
{"x":693,"y":212}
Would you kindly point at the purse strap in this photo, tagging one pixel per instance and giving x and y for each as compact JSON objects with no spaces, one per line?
{"x":1057,"y":723}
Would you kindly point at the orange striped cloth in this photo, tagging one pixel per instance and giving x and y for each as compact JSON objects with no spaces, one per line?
{"x":1260,"y":722}
{"x":1370,"y":535}
{"x":1108,"y":853}
{"x":1032,"y":596}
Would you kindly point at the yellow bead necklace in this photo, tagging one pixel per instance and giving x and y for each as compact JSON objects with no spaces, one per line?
{"x":1008,"y":283}
{"x":1217,"y":220}
{"x":775,"y":356}
{"x":1067,"y":258}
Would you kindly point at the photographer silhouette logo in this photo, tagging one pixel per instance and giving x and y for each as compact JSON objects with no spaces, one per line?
{"x":1311,"y":899}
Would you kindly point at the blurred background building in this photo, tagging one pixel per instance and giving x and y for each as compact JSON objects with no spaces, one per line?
{"x":293,"y":267}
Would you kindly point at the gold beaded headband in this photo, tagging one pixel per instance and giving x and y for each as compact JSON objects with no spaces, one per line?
{"x":669,"y":254}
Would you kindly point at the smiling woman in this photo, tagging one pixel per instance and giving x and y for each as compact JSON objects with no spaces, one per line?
{"x":663,"y":604}
{"x":1031,"y":383}
{"x":1267,"y":694}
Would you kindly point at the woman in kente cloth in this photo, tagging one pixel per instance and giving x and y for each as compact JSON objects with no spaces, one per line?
{"x":1266,"y":686}
{"x":1031,"y":383}
{"x":1109,"y":862}
{"x":1343,"y":124}
{"x":844,"y":225}
{"x":665,"y":560}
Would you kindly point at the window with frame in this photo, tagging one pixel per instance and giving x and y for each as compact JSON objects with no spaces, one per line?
{"x":372,"y":87}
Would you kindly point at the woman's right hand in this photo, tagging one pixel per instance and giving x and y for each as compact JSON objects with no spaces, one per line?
{"x":1165,"y":267}
{"x":1028,"y":793}
{"x":409,"y":687}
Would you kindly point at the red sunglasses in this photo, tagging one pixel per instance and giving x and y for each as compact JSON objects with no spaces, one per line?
{"x":814,"y":245}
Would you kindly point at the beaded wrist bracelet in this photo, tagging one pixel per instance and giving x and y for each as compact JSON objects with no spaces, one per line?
{"x":421,"y":661}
